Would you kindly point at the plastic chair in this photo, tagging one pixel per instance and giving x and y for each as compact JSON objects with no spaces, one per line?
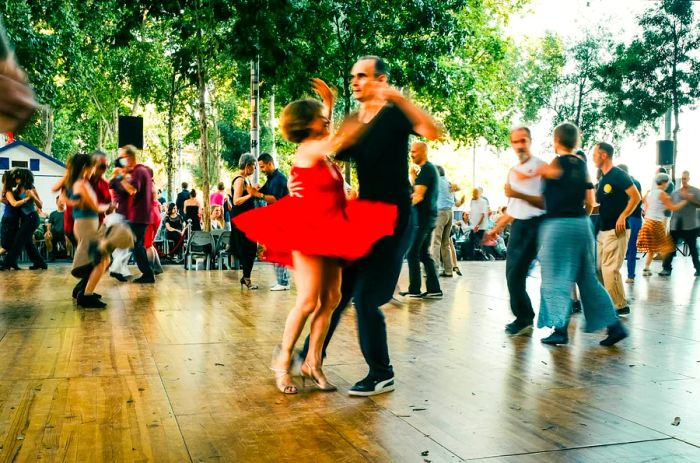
{"x":201,"y":243}
{"x":221,"y":251}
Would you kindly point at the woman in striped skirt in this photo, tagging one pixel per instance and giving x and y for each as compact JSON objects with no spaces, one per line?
{"x":653,"y":237}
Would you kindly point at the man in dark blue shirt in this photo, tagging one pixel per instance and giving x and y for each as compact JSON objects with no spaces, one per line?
{"x":275,"y":188}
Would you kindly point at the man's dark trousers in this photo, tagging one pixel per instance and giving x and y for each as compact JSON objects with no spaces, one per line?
{"x":140,"y":255}
{"x":370,"y":282}
{"x":690,"y":237}
{"x":420,"y":253}
{"x":522,"y":250}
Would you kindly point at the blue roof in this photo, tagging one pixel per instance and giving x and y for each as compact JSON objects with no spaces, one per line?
{"x":32,"y":148}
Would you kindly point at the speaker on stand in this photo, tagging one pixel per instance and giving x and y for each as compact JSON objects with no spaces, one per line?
{"x":131,"y":131}
{"x":664,"y":153}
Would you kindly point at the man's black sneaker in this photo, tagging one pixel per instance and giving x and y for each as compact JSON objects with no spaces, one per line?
{"x":433,"y":295}
{"x":144,"y":280}
{"x":372,"y":386}
{"x":665,"y":273}
{"x":576,"y":306}
{"x":118,"y":276}
{"x":90,"y":302}
{"x":560,"y":336}
{"x":616,"y":333}
{"x":516,"y":327}
{"x":623,"y":310}
{"x":413,"y":295}
{"x":39,"y":267}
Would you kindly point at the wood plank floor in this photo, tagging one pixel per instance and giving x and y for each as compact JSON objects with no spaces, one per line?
{"x":178,"y":372}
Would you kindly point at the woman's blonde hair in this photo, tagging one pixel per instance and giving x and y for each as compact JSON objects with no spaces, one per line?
{"x":296,"y":118}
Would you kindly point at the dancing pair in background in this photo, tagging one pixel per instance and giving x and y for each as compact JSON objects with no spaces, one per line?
{"x":343,"y":249}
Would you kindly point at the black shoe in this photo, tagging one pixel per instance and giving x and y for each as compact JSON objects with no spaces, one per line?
{"x":144,"y":280}
{"x":560,"y":336}
{"x":457,"y":271}
{"x":118,"y":276}
{"x":623,"y":310}
{"x":517,"y":327}
{"x":445,"y":275}
{"x":616,"y":333}
{"x":433,"y":295}
{"x":90,"y":302}
{"x":576,"y":306}
{"x":371,"y":386}
{"x":412,"y":295}
{"x":9,"y":267}
{"x":665,"y":273}
{"x":39,"y":267}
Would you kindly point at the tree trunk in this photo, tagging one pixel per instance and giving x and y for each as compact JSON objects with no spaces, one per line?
{"x":49,"y":128}
{"x":204,"y":155}
{"x":674,"y":101}
{"x":135,"y":106}
{"x":100,"y":135}
{"x":171,"y":148}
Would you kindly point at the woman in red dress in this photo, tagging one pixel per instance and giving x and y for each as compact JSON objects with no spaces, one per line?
{"x":314,"y":229}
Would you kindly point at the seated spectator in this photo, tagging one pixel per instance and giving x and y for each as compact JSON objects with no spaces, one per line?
{"x":54,"y":237}
{"x":217,"y":219}
{"x":174,"y":226}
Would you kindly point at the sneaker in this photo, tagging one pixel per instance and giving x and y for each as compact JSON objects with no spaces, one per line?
{"x":433,"y":295}
{"x":371,"y":386}
{"x":516,"y":327}
{"x":629,"y":280}
{"x":279,"y":287}
{"x":665,"y":272}
{"x":623,"y":310}
{"x":412,"y":295}
{"x":559,"y":337}
{"x":616,"y":333}
{"x":118,"y":276}
{"x":646,"y":272}
{"x":90,"y":302}
{"x":445,"y":275}
{"x":144,"y":280}
{"x":576,"y":307}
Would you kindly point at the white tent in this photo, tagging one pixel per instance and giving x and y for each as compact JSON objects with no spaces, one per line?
{"x":47,"y":170}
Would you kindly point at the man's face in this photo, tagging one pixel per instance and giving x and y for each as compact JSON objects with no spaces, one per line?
{"x":128,"y":160}
{"x":266,"y":167}
{"x":418,"y":153}
{"x":685,"y":179}
{"x":60,"y":203}
{"x":363,"y":80}
{"x":520,"y":141}
{"x":599,"y":157}
{"x":100,"y":166}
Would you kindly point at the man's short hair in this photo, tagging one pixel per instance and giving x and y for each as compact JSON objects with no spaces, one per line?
{"x":661,"y":170}
{"x":380,"y":67}
{"x":184,"y":185}
{"x":567,"y":134}
{"x":522,"y":127}
{"x":266,"y":158}
{"x":220,"y":186}
{"x":607,"y":147}
{"x":130,"y":150}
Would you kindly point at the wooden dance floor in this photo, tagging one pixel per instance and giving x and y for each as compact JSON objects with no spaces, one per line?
{"x":178,"y":372}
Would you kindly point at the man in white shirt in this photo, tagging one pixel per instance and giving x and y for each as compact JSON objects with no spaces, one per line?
{"x":525,"y":211}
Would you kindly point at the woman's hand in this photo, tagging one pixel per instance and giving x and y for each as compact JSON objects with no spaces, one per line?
{"x":325,"y":92}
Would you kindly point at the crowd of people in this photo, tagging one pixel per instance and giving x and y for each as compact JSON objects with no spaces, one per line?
{"x":349,"y":244}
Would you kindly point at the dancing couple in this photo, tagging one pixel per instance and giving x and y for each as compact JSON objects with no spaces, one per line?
{"x":343,"y":249}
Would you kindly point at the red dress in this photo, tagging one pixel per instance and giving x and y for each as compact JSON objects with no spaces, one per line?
{"x":317,"y":220}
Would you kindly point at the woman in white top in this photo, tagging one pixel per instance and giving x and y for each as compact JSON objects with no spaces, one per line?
{"x":652,"y":236}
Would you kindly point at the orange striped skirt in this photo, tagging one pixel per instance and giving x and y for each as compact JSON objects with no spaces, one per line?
{"x":653,"y":237}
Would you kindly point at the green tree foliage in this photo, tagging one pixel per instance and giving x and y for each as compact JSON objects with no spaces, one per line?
{"x":658,"y":71}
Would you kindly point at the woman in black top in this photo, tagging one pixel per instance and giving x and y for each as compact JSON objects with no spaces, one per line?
{"x":192,"y":211}
{"x":566,"y":253}
{"x":243,"y":200}
{"x":174,"y":228}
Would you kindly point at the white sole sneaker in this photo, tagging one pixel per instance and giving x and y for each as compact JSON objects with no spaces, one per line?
{"x":279,"y":288}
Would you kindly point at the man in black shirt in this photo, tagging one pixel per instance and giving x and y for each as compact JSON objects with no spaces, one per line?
{"x":635,"y":224}
{"x":381,"y":159}
{"x":55,"y":237}
{"x":275,"y":188}
{"x":424,"y":199}
{"x":617,"y":197}
{"x":182,"y":196}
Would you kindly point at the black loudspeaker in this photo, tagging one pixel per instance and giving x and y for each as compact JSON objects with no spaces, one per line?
{"x":131,"y":131}
{"x":664,"y":152}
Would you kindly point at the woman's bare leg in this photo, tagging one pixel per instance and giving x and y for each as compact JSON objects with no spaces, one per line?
{"x":95,"y":276}
{"x":330,"y":297}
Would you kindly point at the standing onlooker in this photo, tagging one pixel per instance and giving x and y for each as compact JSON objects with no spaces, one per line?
{"x":443,"y":225}
{"x":684,"y":223}
{"x":141,"y":192}
{"x":193,"y":211}
{"x":424,"y":199}
{"x":478,"y":218}
{"x":182,"y":196}
{"x":274,"y":189}
{"x":653,"y":237}
{"x":635,"y":223}
{"x":217,"y":198}
{"x":525,"y":211}
{"x":54,"y":237}
{"x":617,"y":197}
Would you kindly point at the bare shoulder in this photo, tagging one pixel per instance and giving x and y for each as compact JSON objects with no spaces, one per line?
{"x":310,"y":153}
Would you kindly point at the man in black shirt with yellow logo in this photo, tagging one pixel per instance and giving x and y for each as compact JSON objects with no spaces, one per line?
{"x":617,"y":197}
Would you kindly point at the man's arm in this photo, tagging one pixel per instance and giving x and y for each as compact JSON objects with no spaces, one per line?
{"x":16,"y":98}
{"x":537,"y":201}
{"x":418,"y":193}
{"x":634,"y":198}
{"x":422,"y":123}
{"x":500,"y":225}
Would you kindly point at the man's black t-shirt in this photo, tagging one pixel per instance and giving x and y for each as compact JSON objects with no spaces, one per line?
{"x":428,"y":177}
{"x":56,"y":221}
{"x":612,"y":197}
{"x":381,"y":158}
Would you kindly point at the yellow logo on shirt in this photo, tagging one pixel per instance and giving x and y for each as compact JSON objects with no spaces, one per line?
{"x":607,"y":188}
